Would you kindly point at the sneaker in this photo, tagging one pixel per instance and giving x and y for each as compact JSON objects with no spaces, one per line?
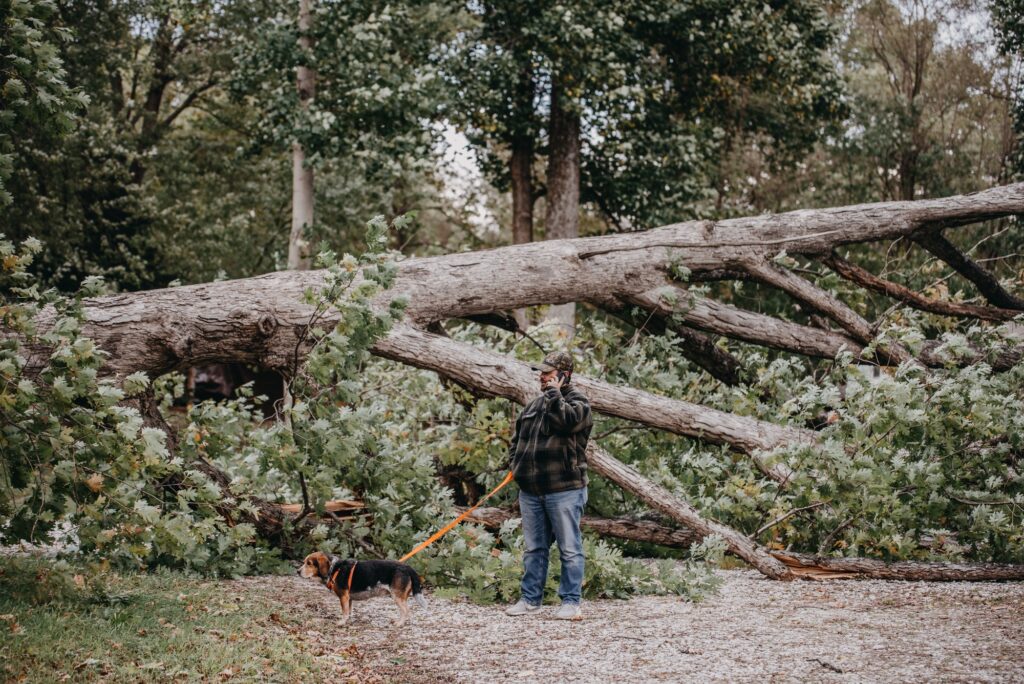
{"x":521,"y":608}
{"x":569,"y":611}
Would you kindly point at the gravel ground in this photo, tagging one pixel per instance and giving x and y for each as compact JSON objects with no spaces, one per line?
{"x":754,"y":630}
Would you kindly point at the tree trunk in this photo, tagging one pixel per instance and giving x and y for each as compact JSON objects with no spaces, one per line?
{"x":258,"y":320}
{"x":302,"y":173}
{"x":521,"y":162}
{"x":161,"y":76}
{"x":561,"y":220}
{"x":521,"y":171}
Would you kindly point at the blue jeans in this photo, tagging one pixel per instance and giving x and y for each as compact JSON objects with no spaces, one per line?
{"x":548,"y":518}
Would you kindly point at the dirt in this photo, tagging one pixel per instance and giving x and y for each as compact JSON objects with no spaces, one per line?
{"x":755,"y":629}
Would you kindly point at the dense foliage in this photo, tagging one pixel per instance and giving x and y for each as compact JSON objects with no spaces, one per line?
{"x":74,"y":452}
{"x":36,"y":103}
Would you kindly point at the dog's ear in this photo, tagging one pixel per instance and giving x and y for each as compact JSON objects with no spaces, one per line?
{"x":323,"y":565}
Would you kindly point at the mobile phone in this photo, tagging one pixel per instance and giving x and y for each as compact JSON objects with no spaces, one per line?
{"x":563,"y":376}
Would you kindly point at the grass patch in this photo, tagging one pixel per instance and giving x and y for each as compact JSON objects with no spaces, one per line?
{"x":74,"y":623}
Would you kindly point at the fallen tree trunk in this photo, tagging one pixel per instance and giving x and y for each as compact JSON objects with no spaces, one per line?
{"x":262,"y":321}
{"x":804,"y":566}
{"x":663,"y":501}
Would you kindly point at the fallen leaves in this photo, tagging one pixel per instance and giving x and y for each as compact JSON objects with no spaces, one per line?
{"x":12,"y":623}
{"x":94,"y":482}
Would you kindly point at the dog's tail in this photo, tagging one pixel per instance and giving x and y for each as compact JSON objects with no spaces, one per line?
{"x":417,"y":591}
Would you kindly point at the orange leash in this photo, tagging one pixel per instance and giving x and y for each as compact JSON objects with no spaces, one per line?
{"x":450,"y":526}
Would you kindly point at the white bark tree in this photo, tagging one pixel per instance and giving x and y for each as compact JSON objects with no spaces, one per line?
{"x":302,"y":173}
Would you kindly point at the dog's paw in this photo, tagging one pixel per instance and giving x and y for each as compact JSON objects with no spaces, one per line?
{"x":342,"y":622}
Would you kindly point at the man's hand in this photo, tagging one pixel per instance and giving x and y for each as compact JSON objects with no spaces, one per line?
{"x":555,"y":381}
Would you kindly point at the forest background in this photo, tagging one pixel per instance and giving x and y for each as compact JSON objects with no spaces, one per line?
{"x":150,"y":144}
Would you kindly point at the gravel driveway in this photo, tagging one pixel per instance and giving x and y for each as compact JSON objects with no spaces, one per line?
{"x":754,"y":630}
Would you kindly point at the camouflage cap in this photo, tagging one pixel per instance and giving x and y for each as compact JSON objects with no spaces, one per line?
{"x":555,"y":361}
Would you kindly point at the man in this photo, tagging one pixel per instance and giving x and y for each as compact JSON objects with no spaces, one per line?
{"x":548,"y":458}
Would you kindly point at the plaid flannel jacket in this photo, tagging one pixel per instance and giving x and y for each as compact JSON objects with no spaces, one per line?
{"x":548,"y":452}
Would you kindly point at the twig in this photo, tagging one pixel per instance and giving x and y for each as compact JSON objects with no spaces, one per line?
{"x":781,"y":518}
{"x":826,"y":543}
{"x":825,"y":664}
{"x":306,"y":509}
{"x":972,"y":502}
{"x":620,"y":429}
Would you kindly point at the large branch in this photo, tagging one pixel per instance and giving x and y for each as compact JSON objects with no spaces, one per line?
{"x":820,"y":567}
{"x":816,"y":299}
{"x":672,"y":301}
{"x":660,"y":499}
{"x":730,"y":321}
{"x":694,"y":345}
{"x":492,"y":374}
{"x":986,"y":283}
{"x":803,"y":566}
{"x":629,"y":529}
{"x":865,"y":278}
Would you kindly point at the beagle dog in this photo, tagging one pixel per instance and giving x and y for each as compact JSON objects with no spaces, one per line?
{"x":352,"y":580}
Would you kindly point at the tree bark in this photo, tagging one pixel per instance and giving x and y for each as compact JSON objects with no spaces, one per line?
{"x":628,"y":529}
{"x":302,"y":173}
{"x":562,"y":217}
{"x":817,"y":567}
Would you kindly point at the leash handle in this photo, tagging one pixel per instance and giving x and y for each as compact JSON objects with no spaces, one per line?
{"x":450,"y":526}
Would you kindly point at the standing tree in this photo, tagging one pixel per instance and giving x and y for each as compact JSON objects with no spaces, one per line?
{"x":630,"y":103}
{"x":302,"y":175}
{"x":930,"y":105}
{"x":1008,"y":16}
{"x":377,"y":88}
